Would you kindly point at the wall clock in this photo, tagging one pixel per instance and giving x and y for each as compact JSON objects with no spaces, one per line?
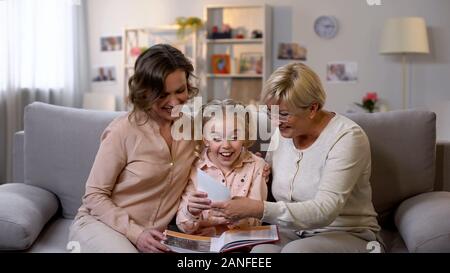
{"x":326,"y":27}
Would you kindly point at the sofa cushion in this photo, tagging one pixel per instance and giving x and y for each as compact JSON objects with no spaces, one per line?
{"x":393,"y":241}
{"x":60,"y":147}
{"x":24,"y":210}
{"x":403,"y":156}
{"x":423,"y":221}
{"x":53,"y":238}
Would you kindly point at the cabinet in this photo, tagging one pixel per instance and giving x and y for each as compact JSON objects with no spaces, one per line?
{"x":139,"y":39}
{"x":238,"y":51}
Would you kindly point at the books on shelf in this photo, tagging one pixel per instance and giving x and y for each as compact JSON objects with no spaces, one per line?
{"x":228,"y":241}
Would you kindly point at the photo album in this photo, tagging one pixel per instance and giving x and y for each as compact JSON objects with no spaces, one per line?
{"x":230,"y":240}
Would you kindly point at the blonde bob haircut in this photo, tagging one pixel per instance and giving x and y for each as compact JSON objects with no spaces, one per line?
{"x":297,"y":85}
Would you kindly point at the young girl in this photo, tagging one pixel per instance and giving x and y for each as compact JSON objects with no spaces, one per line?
{"x":223,"y":155}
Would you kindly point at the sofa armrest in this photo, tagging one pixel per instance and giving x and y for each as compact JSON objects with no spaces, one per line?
{"x":18,"y":157}
{"x":442,"y":182}
{"x":24,"y":211}
{"x":423,"y":222}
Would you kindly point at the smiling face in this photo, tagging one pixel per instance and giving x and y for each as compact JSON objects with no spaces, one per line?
{"x":224,"y":140}
{"x":168,"y":105}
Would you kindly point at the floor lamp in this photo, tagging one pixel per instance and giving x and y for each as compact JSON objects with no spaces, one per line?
{"x":405,"y":35}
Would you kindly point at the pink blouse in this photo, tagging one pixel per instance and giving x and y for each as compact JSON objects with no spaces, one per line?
{"x":245,"y":180}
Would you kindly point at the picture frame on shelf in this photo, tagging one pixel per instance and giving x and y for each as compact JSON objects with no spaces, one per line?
{"x":251,"y":63}
{"x":221,"y":64}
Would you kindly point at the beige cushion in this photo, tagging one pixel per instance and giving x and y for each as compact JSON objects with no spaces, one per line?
{"x":24,"y":210}
{"x":68,"y":139}
{"x":53,"y":238}
{"x":403,"y":156}
{"x":424,"y":222}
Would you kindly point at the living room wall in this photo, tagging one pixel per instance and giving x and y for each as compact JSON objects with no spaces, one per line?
{"x":357,"y":41}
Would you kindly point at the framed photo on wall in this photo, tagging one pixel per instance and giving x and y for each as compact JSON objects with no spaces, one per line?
{"x":251,"y":63}
{"x":111,"y":43}
{"x":342,"y":72}
{"x":220,"y":64}
{"x":292,"y":51}
{"x":104,"y":74}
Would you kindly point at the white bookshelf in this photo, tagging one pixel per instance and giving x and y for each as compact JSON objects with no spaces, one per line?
{"x":245,"y":87}
{"x":231,"y":76}
{"x":235,"y":41}
{"x":149,"y":36}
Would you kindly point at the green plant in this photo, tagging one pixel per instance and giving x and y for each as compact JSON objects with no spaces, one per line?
{"x":189,"y":23}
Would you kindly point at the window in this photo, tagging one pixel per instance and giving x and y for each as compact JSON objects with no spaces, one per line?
{"x":37,"y":38}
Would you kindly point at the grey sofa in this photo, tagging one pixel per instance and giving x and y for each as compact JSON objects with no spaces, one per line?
{"x":54,"y":154}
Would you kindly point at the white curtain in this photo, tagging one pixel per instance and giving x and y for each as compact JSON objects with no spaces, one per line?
{"x":43,"y":57}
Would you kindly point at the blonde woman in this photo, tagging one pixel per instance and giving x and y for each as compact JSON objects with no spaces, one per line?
{"x":321,"y":170}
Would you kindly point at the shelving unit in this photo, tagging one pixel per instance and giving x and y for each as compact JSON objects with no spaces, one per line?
{"x":149,"y":36}
{"x":235,"y":41}
{"x":245,"y":86}
{"x":243,"y":76}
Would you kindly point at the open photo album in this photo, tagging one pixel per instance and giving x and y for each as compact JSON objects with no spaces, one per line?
{"x":229,"y":241}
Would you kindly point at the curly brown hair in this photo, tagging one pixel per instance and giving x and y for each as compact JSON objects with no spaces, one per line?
{"x":150,"y":71}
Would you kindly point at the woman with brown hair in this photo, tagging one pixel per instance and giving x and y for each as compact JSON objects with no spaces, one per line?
{"x":140,"y":171}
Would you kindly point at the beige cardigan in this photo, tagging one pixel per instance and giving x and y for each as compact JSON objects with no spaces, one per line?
{"x":135,"y":182}
{"x":326,"y":186}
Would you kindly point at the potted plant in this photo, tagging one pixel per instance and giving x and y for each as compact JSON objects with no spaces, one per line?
{"x":369,"y":102}
{"x":189,"y":23}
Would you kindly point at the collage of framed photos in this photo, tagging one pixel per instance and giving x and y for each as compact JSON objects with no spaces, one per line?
{"x":336,"y":71}
{"x":107,"y":74}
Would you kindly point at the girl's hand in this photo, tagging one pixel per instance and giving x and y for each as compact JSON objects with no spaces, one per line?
{"x":213,"y":221}
{"x":150,"y":241}
{"x":238,"y":208}
{"x":198,"y":202}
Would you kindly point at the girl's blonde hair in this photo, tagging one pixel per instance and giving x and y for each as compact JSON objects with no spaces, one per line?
{"x":295,"y":84}
{"x":222,"y":105}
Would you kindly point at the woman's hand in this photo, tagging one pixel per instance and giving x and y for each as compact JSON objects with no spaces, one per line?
{"x":238,"y":208}
{"x":150,"y":241}
{"x":198,"y":202}
{"x":266,"y":170}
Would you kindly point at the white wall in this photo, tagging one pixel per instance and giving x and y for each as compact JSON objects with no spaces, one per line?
{"x":358,"y":40}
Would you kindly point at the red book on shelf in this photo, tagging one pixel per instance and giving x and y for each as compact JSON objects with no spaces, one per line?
{"x":220,"y":63}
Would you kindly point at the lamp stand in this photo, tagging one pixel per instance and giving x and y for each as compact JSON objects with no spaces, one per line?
{"x":405,"y":83}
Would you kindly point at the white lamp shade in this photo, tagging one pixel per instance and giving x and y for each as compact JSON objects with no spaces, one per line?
{"x":405,"y":35}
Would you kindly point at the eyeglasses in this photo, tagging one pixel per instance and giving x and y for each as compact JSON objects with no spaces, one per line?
{"x":282,"y":116}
